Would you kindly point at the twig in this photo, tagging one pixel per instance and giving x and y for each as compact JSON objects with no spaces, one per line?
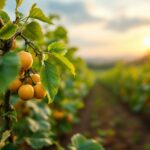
{"x":29,"y":43}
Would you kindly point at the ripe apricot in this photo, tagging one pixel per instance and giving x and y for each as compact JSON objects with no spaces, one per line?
{"x":26,"y":92}
{"x":39,"y":91}
{"x":26,"y":60}
{"x":34,"y":78}
{"x":15,"y":85}
{"x":58,"y":115}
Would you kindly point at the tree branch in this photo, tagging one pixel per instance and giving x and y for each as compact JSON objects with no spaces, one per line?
{"x":7,"y":109}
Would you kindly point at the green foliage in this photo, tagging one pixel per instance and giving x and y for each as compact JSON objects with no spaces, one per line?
{"x":7,"y":31}
{"x":33,"y":123}
{"x":50,"y":79}
{"x":60,"y":33}
{"x":9,"y":67}
{"x":79,"y":142}
{"x":33,"y":31}
{"x":4,"y":137}
{"x":38,"y":142}
{"x":10,"y":146}
{"x":131,"y":83}
{"x":37,"y":13}
{"x":4,"y":16}
{"x":2,"y":3}
{"x":57,"y":47}
{"x":65,"y":61}
{"x":36,"y":126}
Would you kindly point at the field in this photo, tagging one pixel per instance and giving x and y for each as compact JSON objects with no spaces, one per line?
{"x":111,"y":122}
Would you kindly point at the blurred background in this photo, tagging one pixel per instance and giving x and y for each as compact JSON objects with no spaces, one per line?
{"x":103,"y":30}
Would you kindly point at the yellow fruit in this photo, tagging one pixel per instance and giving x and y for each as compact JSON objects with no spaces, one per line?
{"x":34,"y":78}
{"x":39,"y":91}
{"x":58,"y":115}
{"x":26,"y":60}
{"x":26,"y":92}
{"x":15,"y":85}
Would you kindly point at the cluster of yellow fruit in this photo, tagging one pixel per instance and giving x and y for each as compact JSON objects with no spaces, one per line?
{"x":28,"y":87}
{"x":60,"y":115}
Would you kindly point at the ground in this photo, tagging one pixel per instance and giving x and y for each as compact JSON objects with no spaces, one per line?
{"x":107,"y":119}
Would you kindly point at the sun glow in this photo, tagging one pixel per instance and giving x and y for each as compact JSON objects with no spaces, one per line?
{"x":146,"y":42}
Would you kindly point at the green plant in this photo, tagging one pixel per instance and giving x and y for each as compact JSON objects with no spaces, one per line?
{"x":16,"y":62}
{"x":33,"y":71}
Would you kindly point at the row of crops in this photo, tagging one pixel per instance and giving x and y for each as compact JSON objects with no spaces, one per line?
{"x":131,"y":82}
{"x":36,"y":112}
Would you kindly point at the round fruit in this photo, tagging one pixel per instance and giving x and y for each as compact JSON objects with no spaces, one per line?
{"x":39,"y":91}
{"x":58,"y":115}
{"x":26,"y":92}
{"x":26,"y":60}
{"x":34,"y":78}
{"x":15,"y":85}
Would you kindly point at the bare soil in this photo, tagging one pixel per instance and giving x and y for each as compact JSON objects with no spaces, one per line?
{"x":105,"y":118}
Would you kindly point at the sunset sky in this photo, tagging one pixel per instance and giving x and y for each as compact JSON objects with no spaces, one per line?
{"x":101,"y":28}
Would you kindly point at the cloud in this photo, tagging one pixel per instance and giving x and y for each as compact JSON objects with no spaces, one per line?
{"x":125,"y":24}
{"x":75,"y":11}
{"x":81,"y":42}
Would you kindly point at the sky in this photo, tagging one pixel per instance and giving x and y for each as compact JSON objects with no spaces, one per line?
{"x":101,"y":28}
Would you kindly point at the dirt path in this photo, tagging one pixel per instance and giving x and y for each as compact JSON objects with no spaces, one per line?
{"x":109,"y":121}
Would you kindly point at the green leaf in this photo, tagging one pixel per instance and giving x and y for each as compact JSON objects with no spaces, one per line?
{"x":19,"y":2}
{"x":61,"y":33}
{"x":50,"y":79}
{"x":40,"y":109}
{"x":21,"y":15}
{"x":5,"y":136}
{"x":39,"y":125}
{"x":78,"y":139}
{"x":79,"y":142}
{"x":38,"y":142}
{"x":57,"y":47}
{"x":2,"y":3}
{"x":33,"y":125}
{"x":37,"y":13}
{"x":65,"y":61}
{"x":7,"y":31}
{"x":4,"y":16}
{"x":33,"y":31}
{"x":9,"y":68}
{"x":12,"y":115}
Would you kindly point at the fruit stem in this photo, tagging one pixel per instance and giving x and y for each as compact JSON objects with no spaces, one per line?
{"x":30,"y":44}
{"x":7,"y":109}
